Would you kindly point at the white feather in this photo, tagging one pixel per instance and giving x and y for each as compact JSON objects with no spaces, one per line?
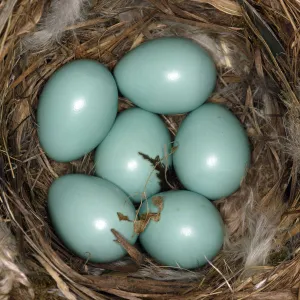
{"x":166,"y":274}
{"x":62,"y":13}
{"x":10,"y":273}
{"x":258,"y":228}
{"x":261,"y":240}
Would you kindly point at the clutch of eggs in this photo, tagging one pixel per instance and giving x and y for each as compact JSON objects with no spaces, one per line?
{"x":77,"y":113}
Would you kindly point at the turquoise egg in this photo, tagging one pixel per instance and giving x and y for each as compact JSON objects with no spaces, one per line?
{"x":190,"y":230}
{"x":128,"y":155}
{"x":213,"y":152}
{"x":169,"y":75}
{"x":76,"y":109}
{"x":83,"y":210}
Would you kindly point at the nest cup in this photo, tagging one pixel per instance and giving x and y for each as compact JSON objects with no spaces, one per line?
{"x":255,"y":46}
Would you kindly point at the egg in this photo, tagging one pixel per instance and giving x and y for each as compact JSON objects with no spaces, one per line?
{"x":169,"y":75}
{"x":130,"y":155}
{"x":213,"y":152}
{"x":189,"y":232}
{"x":83,"y":210}
{"x":76,"y":109}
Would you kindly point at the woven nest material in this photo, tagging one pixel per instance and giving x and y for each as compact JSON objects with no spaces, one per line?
{"x":260,"y":258}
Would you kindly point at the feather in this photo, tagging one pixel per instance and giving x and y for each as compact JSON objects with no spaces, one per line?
{"x":10,"y":273}
{"x":152,"y":271}
{"x":292,"y":144}
{"x":62,"y":13}
{"x":257,"y":248}
{"x":266,"y":32}
{"x":257,"y":228}
{"x":226,"y":49}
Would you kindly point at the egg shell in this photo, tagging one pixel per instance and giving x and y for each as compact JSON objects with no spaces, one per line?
{"x":76,"y":109}
{"x":168,"y":75}
{"x":190,"y":230}
{"x":118,"y":158}
{"x":213,"y":152}
{"x":83,"y":210}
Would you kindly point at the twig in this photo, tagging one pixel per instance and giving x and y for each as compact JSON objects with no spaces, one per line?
{"x":131,"y":250}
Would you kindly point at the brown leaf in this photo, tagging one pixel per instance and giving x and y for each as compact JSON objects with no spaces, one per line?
{"x":122,"y":217}
{"x":140,"y":225}
{"x":158,"y":165}
{"x":158,"y":202}
{"x":131,"y":250}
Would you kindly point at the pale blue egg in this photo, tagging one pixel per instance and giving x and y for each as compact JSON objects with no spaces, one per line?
{"x":189,"y":233}
{"x":213,"y":152}
{"x":83,"y":210}
{"x":169,"y":75}
{"x":124,"y":157}
{"x":76,"y":109}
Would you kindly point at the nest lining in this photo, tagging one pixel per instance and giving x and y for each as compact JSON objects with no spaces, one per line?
{"x":260,"y":259}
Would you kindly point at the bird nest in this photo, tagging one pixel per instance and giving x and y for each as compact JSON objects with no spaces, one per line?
{"x":255,"y":45}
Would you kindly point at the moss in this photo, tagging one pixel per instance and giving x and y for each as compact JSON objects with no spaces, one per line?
{"x":279,"y":256}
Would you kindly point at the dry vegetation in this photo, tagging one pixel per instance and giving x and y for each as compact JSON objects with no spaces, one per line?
{"x":261,"y":257}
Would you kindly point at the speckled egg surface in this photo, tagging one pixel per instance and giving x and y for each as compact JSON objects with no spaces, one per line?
{"x":168,"y":75}
{"x":83,"y":210}
{"x":76,"y":109}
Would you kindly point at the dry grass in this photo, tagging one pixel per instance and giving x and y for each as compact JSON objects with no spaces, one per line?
{"x":261,"y":257}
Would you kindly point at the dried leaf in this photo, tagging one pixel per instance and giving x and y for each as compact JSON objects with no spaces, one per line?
{"x":131,"y":250}
{"x":150,"y":216}
{"x":158,"y":202}
{"x":123,"y":217}
{"x":140,"y":225}
{"x":157,"y":164}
